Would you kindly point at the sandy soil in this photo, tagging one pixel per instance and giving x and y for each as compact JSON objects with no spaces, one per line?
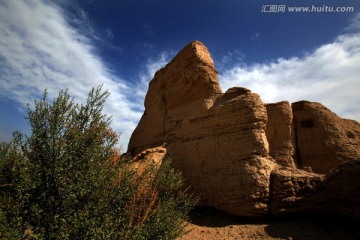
{"x":208,"y":224}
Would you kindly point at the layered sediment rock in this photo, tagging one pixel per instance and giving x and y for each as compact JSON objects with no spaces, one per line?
{"x":224,"y":152}
{"x":240,"y":155}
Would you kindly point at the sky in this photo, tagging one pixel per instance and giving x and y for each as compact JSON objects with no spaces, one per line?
{"x":281,"y":49}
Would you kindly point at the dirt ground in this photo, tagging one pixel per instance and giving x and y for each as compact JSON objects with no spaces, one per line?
{"x":209,"y":224}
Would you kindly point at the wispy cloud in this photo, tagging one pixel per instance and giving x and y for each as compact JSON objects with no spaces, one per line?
{"x":355,"y":25}
{"x":44,"y":47}
{"x":40,"y":49}
{"x":330,"y":75}
{"x":255,"y":37}
{"x":148,"y":29}
{"x":231,"y":58}
{"x":152,"y":66}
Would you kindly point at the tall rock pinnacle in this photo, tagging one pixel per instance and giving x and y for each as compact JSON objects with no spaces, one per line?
{"x":190,"y":77}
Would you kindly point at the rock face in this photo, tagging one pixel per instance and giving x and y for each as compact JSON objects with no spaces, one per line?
{"x":296,"y":191}
{"x":343,"y":189}
{"x":238,"y":155}
{"x":222,"y":150}
{"x":189,"y":79}
{"x":280,"y":133}
{"x":323,"y":139}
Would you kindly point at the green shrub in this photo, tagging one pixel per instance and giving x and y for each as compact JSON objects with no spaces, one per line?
{"x":67,"y":180}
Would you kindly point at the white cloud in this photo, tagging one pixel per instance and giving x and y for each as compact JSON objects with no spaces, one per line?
{"x":355,"y":25}
{"x":231,"y":58}
{"x":152,"y":66}
{"x":40,"y":50}
{"x":329,"y":75}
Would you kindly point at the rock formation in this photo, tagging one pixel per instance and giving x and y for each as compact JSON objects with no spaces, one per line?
{"x":296,"y":191}
{"x":238,"y":154}
{"x":342,"y":189}
{"x":151,"y":156}
{"x":323,"y":139}
{"x":190,"y":78}
{"x":280,"y":132}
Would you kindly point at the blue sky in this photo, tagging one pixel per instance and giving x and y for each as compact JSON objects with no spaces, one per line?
{"x":76,"y":45}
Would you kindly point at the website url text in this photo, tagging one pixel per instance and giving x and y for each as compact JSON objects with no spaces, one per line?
{"x":308,"y":9}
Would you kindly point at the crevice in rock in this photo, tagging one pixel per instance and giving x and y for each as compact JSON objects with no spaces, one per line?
{"x":165,"y":117}
{"x":307,"y":123}
{"x":297,"y":157}
{"x":271,"y":194}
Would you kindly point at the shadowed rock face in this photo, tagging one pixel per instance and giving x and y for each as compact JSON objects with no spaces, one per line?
{"x":240,"y":155}
{"x":324,"y":140}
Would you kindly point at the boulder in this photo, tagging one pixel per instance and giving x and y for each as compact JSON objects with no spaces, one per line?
{"x":296,"y":191}
{"x":343,"y":189}
{"x":301,"y":192}
{"x":153,"y":156}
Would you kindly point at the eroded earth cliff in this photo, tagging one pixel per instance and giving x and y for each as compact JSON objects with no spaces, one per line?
{"x":243,"y":156}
